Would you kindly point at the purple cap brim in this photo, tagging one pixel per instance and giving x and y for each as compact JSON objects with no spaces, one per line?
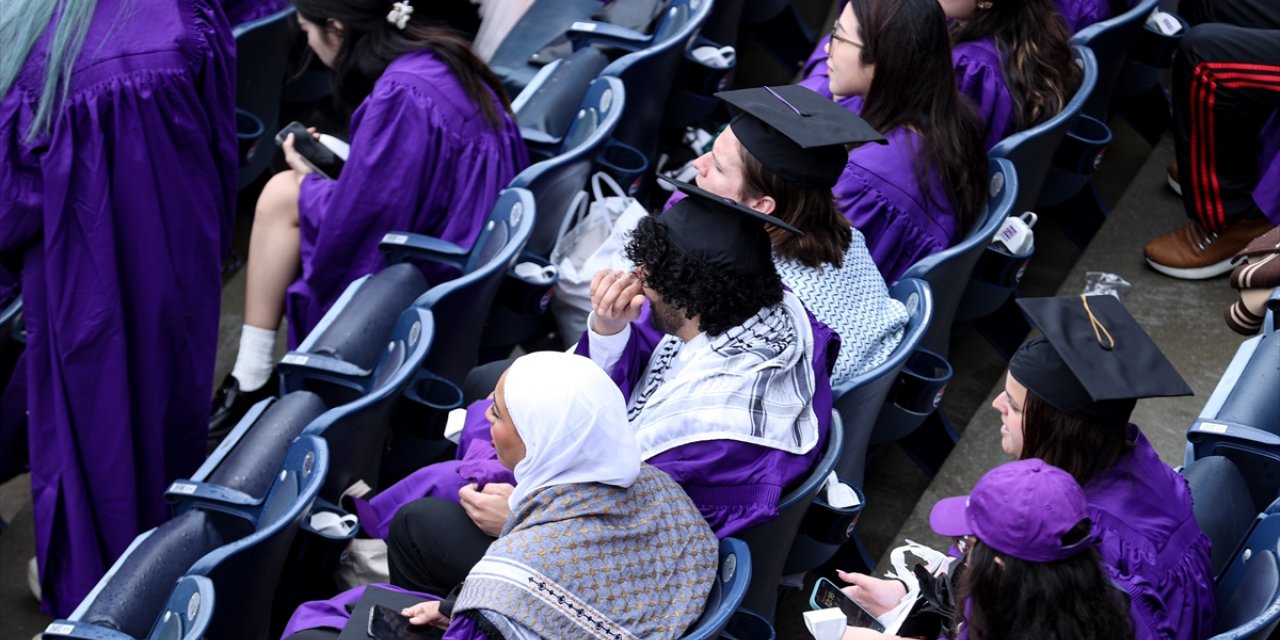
{"x":947,"y":517}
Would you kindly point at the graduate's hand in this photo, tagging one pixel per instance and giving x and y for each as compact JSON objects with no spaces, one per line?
{"x":426,"y":613}
{"x":877,"y":596}
{"x":489,"y":508}
{"x":617,"y":298}
{"x":295,"y":159}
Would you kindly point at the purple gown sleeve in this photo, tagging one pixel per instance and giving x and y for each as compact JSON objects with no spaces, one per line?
{"x":333,"y":613}
{"x":1267,"y":193}
{"x":979,"y":77}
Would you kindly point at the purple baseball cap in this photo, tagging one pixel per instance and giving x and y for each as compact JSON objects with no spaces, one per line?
{"x":1022,"y":509}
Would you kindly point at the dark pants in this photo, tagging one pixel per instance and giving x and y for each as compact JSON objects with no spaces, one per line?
{"x":432,"y":546}
{"x":1226,"y":84}
{"x":1257,"y":14}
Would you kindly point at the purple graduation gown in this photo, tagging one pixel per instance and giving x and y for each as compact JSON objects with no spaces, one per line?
{"x":978,"y":76}
{"x":1151,"y":544}
{"x":423,"y":159}
{"x":879,"y":194}
{"x":333,"y":614}
{"x":736,"y":485}
{"x":119,"y":218}
{"x":1267,"y":193}
{"x":1078,"y":14}
{"x":242,"y":11}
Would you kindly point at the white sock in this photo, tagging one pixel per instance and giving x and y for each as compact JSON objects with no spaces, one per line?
{"x":256,"y":357}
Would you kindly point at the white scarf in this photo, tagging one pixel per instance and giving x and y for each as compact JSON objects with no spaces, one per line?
{"x":573,"y":421}
{"x":753,"y":383}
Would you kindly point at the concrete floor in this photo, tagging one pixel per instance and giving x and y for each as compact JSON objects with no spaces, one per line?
{"x":1184,"y":318}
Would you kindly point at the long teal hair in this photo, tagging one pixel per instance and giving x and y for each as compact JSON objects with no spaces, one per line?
{"x":22,"y":22}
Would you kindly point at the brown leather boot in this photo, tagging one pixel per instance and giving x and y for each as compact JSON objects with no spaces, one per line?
{"x":1191,"y":253}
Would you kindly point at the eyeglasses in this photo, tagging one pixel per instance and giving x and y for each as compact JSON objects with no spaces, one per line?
{"x":839,"y":38}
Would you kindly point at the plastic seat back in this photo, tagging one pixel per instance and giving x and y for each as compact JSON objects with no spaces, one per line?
{"x":1241,"y":419}
{"x":246,"y":572}
{"x":647,"y":73}
{"x":1223,"y":507}
{"x":188,"y":612}
{"x":357,"y":433}
{"x":770,"y":543}
{"x":730,"y":587}
{"x":262,"y":54}
{"x":1033,"y":151}
{"x":460,"y":306}
{"x":861,"y":400}
{"x":1110,"y":41}
{"x":1249,"y":592}
{"x":948,"y":271}
{"x":556,"y":181}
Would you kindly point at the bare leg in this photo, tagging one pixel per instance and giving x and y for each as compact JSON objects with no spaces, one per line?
{"x":274,"y":252}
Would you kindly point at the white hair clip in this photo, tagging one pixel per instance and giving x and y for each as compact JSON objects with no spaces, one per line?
{"x":399,"y":15}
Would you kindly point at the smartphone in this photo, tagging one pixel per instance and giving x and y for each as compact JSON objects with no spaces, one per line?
{"x":827,"y":595}
{"x":324,"y":161}
{"x":389,"y":624}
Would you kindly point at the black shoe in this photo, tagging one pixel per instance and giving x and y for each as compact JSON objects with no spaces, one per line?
{"x":230,"y":404}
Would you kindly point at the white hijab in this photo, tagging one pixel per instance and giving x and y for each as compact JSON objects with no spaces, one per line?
{"x":573,"y":421}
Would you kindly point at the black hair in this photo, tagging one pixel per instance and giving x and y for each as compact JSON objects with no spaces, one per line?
{"x":719,"y":298}
{"x":1081,"y":448}
{"x":1000,"y":596}
{"x":370,"y":43}
{"x":914,"y":86}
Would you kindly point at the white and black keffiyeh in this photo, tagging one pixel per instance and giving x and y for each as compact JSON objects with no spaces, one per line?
{"x":753,"y":383}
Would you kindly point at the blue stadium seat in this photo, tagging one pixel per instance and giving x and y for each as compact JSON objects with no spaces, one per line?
{"x":242,"y":558}
{"x":1223,"y":506}
{"x":545,"y":20}
{"x":1035,"y":151}
{"x":726,"y":595}
{"x":1110,"y":42}
{"x":1248,"y":593}
{"x":647,"y":70}
{"x":185,"y":616}
{"x":461,"y":305}
{"x":520,"y":309}
{"x":342,"y":357}
{"x":1241,"y":420}
{"x":262,"y":55}
{"x":770,"y":543}
{"x":948,"y":272}
{"x":555,"y":181}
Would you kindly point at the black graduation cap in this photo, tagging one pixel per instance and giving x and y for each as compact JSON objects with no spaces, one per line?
{"x":797,"y":133}
{"x":720,"y":231}
{"x":1094,"y":361}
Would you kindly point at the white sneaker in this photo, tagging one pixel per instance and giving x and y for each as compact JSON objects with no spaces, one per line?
{"x":33,"y":578}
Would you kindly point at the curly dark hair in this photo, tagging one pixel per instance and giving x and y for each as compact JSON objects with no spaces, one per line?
{"x":719,"y":298}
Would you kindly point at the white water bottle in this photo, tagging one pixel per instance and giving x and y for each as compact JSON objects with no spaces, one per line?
{"x":1016,"y":236}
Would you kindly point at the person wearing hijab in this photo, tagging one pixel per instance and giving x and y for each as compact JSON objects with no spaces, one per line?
{"x":725,"y":375}
{"x":1068,"y":399}
{"x":117,"y":194}
{"x":589,"y":521}
{"x":781,"y":155}
{"x":1030,"y":567}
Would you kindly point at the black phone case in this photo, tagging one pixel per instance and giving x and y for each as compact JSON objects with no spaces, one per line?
{"x":325,"y":161}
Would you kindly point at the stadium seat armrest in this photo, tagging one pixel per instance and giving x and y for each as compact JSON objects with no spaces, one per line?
{"x":399,"y":246}
{"x":587,"y":32}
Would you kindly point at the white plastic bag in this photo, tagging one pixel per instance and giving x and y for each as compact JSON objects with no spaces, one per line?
{"x":596,"y":241}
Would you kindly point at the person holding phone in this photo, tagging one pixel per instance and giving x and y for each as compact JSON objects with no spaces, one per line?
{"x":590,"y":524}
{"x":433,"y":141}
{"x":1030,"y":567}
{"x":1068,"y":399}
